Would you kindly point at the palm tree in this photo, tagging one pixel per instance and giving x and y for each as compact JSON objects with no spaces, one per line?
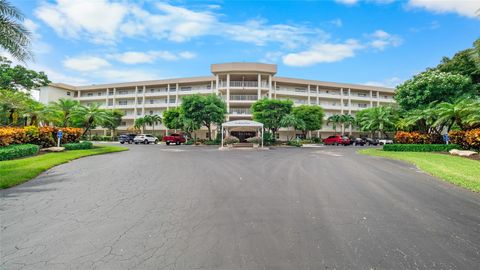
{"x":14,"y":37}
{"x":334,"y":120}
{"x":380,"y":119}
{"x":290,"y":121}
{"x":64,"y":107}
{"x":459,"y":112}
{"x":140,"y":124}
{"x":155,"y":118}
{"x":90,"y":116}
{"x":346,"y":119}
{"x":114,"y":120}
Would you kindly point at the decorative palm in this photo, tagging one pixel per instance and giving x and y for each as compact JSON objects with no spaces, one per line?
{"x":64,"y":108}
{"x":140,"y":124}
{"x":14,"y":37}
{"x":346,"y":119}
{"x":334,"y":120}
{"x":290,"y":121}
{"x":90,"y":116}
{"x":155,"y":119}
{"x":463,"y":112}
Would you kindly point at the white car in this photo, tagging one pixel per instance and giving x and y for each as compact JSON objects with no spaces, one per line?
{"x":145,"y":138}
{"x":384,"y":141}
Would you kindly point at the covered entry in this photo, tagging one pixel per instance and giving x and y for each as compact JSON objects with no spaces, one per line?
{"x":246,"y":128}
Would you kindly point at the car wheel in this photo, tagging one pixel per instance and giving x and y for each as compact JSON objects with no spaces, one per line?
{"x":122,"y":142}
{"x":136,"y":142}
{"x":156,"y":141}
{"x":145,"y":142}
{"x":177,"y":143}
{"x":336,"y":144}
{"x":354,"y":144}
{"x":381,"y":143}
{"x":130,"y":142}
{"x":168,"y":143}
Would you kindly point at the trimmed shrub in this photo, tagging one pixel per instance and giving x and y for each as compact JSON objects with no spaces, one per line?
{"x":231,"y":140}
{"x":189,"y":142}
{"x":420,"y":147}
{"x":254,"y":140}
{"x":78,"y":146}
{"x":457,"y":137}
{"x":42,"y":136}
{"x":472,"y":138}
{"x":403,"y":137}
{"x":17,"y":151}
{"x":316,"y":140}
{"x":70,"y":135}
{"x":296,"y":143}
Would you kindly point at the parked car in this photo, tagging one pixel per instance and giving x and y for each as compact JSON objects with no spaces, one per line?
{"x":359,"y":141}
{"x":174,"y":138}
{"x":336,"y":140}
{"x":145,"y":138}
{"x":384,"y":141}
{"x":371,"y":141}
{"x":126,"y":138}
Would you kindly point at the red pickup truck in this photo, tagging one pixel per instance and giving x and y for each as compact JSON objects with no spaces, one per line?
{"x":174,"y":138}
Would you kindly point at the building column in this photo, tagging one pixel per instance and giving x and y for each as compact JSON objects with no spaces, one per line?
{"x":371,"y":99}
{"x":308,"y":96}
{"x":143,"y":99}
{"x":136,"y":104}
{"x":350,"y":109}
{"x":106,"y":99}
{"x":270,"y":86}
{"x":318,"y":101}
{"x":228,"y":96}
{"x":378,"y":98}
{"x":259,"y":91}
{"x":176,"y":95}
{"x":114,"y":97}
{"x":211,"y":87}
{"x":168,"y":96}
{"x":275,"y":89}
{"x":341,"y":100}
{"x":216,"y":84}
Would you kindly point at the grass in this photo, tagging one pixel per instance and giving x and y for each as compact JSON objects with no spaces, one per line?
{"x":456,"y":170}
{"x":15,"y":172}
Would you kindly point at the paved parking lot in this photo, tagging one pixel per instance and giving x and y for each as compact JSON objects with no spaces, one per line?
{"x":159,"y":207}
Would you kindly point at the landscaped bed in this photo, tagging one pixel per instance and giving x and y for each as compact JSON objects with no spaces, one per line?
{"x":459,"y":171}
{"x":14,"y":172}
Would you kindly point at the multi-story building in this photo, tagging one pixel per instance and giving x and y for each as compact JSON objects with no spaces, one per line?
{"x":239,"y":84}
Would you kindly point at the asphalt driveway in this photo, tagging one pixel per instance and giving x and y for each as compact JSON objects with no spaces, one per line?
{"x":159,"y":207}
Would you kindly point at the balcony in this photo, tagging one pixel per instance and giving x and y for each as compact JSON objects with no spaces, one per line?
{"x":240,"y":111}
{"x":93,"y":97}
{"x":243,"y":97}
{"x":243,"y":84}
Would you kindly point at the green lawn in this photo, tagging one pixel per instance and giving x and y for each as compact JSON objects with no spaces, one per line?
{"x":456,"y":170}
{"x":14,"y":172}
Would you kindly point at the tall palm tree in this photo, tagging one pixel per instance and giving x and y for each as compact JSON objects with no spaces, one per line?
{"x":380,"y":119}
{"x":64,"y":108}
{"x":155,"y":118}
{"x":90,"y":116}
{"x":334,"y":120}
{"x":14,"y":37}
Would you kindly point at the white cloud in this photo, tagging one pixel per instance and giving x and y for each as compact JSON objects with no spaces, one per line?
{"x":38,"y":46}
{"x":102,"y":21}
{"x":85,"y":63}
{"x":98,"y":19}
{"x":467,"y":8}
{"x":133,"y":57}
{"x":323,"y":53}
{"x":381,"y":40}
{"x":390,"y":82}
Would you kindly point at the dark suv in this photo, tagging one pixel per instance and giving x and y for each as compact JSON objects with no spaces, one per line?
{"x":126,"y":138}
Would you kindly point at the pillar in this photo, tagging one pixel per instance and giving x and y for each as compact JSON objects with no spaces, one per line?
{"x":228,"y":96}
{"x":259,"y":91}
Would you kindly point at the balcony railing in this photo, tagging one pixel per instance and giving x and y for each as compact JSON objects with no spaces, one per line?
{"x":252,"y":84}
{"x":243,"y":97}
{"x":240,"y":111}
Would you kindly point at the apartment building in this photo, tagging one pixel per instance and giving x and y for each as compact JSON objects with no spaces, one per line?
{"x":239,"y":84}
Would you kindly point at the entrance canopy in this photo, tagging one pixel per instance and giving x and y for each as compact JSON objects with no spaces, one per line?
{"x":242,"y":125}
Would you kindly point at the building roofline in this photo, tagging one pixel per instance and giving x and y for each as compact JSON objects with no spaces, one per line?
{"x":63,"y":86}
{"x":150,"y":82}
{"x":243,"y":67}
{"x":333,"y":84}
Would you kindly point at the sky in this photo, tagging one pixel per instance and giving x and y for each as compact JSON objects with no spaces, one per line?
{"x":375,"y":42}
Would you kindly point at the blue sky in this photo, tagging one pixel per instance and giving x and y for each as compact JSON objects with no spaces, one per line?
{"x":380,"y":42}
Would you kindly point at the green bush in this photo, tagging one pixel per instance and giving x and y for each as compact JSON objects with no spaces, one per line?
{"x":212,"y":142}
{"x":316,"y":140}
{"x":78,"y":146}
{"x":420,"y":147}
{"x":296,"y":143}
{"x":268,"y":138}
{"x":189,"y":142}
{"x":17,"y":151}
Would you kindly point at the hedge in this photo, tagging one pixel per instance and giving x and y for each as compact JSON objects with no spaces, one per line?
{"x":78,"y":146}
{"x":420,"y":147}
{"x":18,"y":151}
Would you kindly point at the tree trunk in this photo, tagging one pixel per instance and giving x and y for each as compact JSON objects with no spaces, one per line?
{"x":209,"y":132}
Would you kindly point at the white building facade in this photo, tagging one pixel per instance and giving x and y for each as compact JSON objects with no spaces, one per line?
{"x":238,"y":84}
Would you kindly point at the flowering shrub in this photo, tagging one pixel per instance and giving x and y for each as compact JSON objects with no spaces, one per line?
{"x":457,"y":137}
{"x":11,"y":135}
{"x":403,"y":137}
{"x":472,"y":138}
{"x":42,"y":136}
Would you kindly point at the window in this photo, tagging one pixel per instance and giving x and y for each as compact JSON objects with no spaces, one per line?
{"x":362,"y":95}
{"x":110,"y":103}
{"x":151,"y":112}
{"x":123,"y":123}
{"x":122,"y":92}
{"x":89,"y":94}
{"x":139,"y":112}
{"x":99,"y":93}
{"x":139,"y":90}
{"x":122,"y":102}
{"x":185,"y":88}
{"x":152,"y":90}
{"x":139,"y":101}
{"x":68,"y":93}
{"x":110,"y":92}
{"x":152,"y":101}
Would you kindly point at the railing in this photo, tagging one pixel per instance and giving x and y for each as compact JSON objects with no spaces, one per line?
{"x":263,"y":84}
{"x":243,"y":97}
{"x":292,"y":89}
{"x":240,"y":111}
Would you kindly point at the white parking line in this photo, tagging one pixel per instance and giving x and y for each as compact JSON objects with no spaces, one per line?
{"x":332,"y":154}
